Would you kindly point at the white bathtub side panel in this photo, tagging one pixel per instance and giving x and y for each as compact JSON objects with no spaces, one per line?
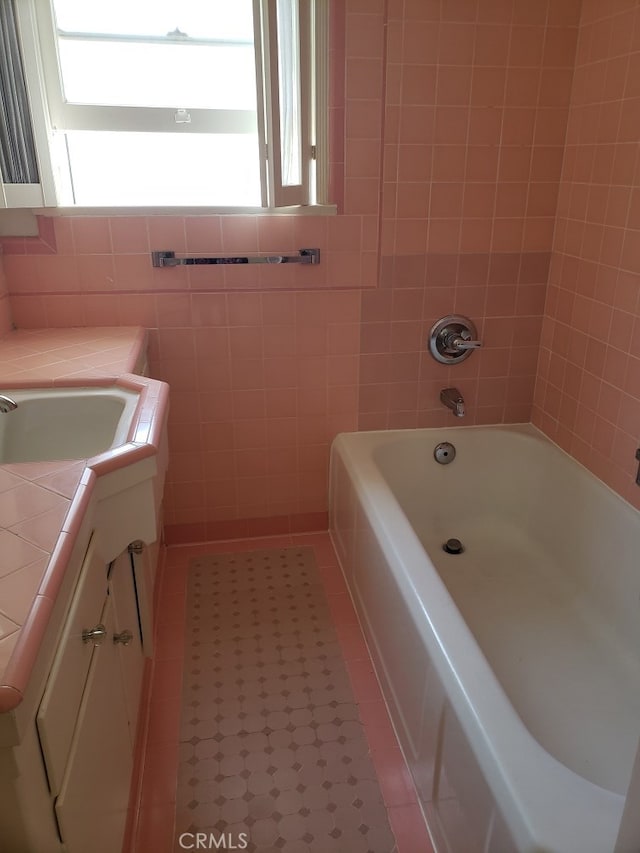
{"x":342,"y":511}
{"x":425,"y":768}
{"x":629,"y":836}
{"x":462,"y":815}
{"x":390,"y":634}
{"x":461,"y":781}
{"x":500,"y":840}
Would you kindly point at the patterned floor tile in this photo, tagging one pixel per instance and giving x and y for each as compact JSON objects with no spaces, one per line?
{"x":272,"y":750}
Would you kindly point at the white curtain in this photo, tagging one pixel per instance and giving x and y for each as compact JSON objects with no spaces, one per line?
{"x":289,"y":91}
{"x":18,"y":162}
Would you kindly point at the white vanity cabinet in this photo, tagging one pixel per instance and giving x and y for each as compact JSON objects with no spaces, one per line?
{"x":91,"y":807}
{"x":66,"y":751}
{"x":58,"y":711}
{"x":88,"y":715}
{"x":127,"y":634}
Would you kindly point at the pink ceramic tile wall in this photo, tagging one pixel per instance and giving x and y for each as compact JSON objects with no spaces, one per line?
{"x":448,"y":121}
{"x":262,"y":377}
{"x":5,"y":307}
{"x":475,"y":118}
{"x":262,"y":361}
{"x":587,"y":397}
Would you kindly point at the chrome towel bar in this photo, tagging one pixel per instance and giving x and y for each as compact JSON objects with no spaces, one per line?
{"x":304,"y":256}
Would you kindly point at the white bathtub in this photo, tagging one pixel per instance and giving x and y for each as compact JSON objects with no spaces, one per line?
{"x":512,"y":670}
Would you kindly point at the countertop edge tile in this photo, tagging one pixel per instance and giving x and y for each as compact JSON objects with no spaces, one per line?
{"x":20,"y":666}
{"x":10,"y":698}
{"x":56,"y":567}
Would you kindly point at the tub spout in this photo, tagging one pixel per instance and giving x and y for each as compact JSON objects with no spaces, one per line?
{"x":453,"y":400}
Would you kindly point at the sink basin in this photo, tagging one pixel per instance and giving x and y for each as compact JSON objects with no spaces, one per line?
{"x":65,"y":423}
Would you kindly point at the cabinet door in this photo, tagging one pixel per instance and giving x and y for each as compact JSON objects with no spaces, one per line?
{"x":56,"y":719}
{"x":127,"y":635}
{"x":92,"y":805}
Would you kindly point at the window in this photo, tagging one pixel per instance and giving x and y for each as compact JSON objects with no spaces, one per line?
{"x":216,"y":103}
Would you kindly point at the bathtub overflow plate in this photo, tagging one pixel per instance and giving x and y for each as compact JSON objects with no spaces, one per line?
{"x":444,"y":453}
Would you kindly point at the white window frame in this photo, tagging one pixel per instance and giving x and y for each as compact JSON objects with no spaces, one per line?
{"x":285,"y":195}
{"x":51,"y":113}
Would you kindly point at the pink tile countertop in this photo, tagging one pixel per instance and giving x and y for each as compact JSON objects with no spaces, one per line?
{"x":42,"y":503}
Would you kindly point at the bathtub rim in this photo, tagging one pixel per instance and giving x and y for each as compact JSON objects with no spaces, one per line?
{"x":538,"y":816}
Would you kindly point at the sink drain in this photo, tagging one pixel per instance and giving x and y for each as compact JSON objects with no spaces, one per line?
{"x":453,"y":546}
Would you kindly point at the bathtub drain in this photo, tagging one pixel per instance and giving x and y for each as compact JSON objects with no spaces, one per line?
{"x":453,"y":546}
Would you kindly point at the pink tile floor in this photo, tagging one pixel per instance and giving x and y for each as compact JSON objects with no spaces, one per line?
{"x":152,"y":827}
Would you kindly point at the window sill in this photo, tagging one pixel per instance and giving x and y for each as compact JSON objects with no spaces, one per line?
{"x":295,"y":210}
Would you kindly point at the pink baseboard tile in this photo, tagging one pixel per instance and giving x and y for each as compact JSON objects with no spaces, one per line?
{"x":394,"y":777}
{"x":171,"y":607}
{"x":164,"y":722}
{"x":295,"y":524}
{"x":178,"y":556}
{"x":321,"y":542}
{"x":364,"y":681}
{"x":170,"y":642}
{"x":333,"y":580}
{"x":174,"y":583}
{"x":352,"y":642}
{"x":228,"y":529}
{"x":342,"y":611}
{"x":317,"y":538}
{"x":309,"y":521}
{"x":155,"y":830}
{"x":138,"y":761}
{"x":269,"y":526}
{"x":409,"y":828}
{"x":283,"y":541}
{"x":167,"y":679}
{"x":183,"y":534}
{"x":160,"y":775}
{"x":375,"y":718}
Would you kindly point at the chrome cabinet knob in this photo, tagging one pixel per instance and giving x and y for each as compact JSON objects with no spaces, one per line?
{"x":94,"y":635}
{"x":124,"y":637}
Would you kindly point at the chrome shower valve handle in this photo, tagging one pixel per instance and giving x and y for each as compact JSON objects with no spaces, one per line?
{"x":455,"y":342}
{"x":452,"y":339}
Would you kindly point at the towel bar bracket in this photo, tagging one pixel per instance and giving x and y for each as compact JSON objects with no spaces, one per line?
{"x":168,"y":259}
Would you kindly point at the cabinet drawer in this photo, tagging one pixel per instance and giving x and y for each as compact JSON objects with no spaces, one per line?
{"x":58,"y":712}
